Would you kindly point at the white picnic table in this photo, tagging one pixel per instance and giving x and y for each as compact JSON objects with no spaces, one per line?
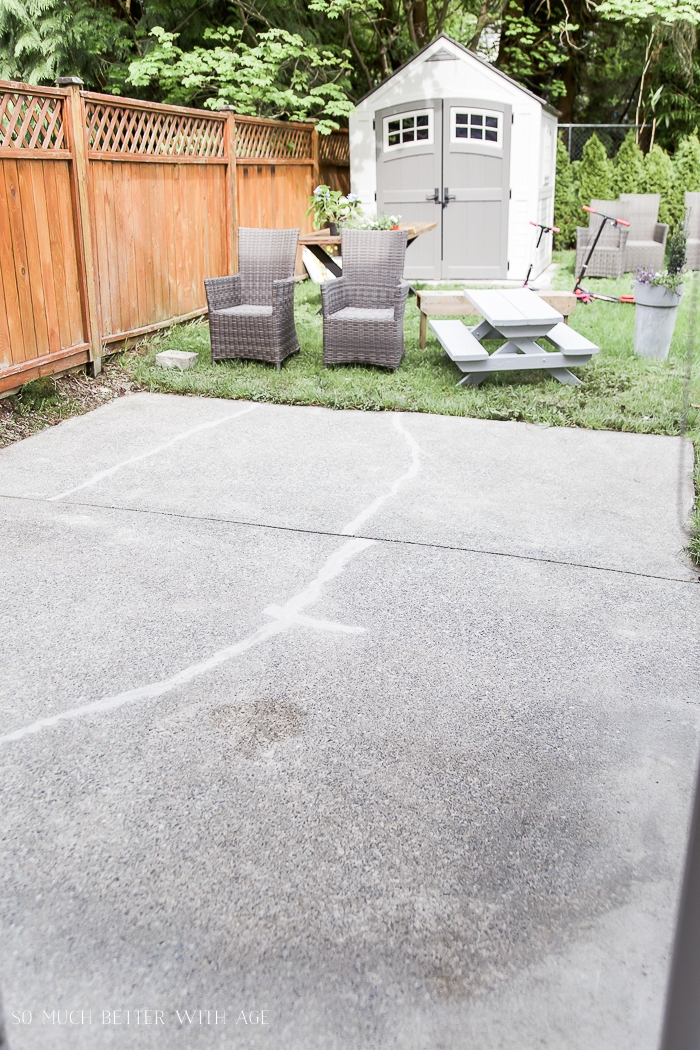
{"x":521,"y":317}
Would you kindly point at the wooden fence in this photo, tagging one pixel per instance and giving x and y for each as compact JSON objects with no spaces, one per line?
{"x":113,"y":211}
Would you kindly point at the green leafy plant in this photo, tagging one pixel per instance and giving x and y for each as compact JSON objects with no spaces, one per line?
{"x":595,"y":172}
{"x":567,"y":207}
{"x":374,"y":222}
{"x":629,"y":166}
{"x":658,"y":178}
{"x":331,"y":206}
{"x":677,"y":244}
{"x":283,"y":76}
{"x":671,"y":279}
{"x":686,"y":175}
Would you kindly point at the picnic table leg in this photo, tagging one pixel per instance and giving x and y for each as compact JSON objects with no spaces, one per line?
{"x":423,"y":330}
{"x":529,"y":346}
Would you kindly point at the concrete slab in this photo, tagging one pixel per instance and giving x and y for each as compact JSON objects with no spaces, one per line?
{"x":389,"y":793}
{"x":592,"y":497}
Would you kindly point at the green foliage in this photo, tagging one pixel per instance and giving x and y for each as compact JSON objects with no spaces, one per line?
{"x":629,"y":167}
{"x":327,"y":205}
{"x":658,"y":178}
{"x":282,"y":76}
{"x":567,"y":207}
{"x":531,"y":53}
{"x":677,"y":249}
{"x":41,"y":40}
{"x":595,"y":173}
{"x":686,"y":175}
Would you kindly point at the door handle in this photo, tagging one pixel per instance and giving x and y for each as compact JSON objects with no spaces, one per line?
{"x":436,"y":195}
{"x":446,"y":199}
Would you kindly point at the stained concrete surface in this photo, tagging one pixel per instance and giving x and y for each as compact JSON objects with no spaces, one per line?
{"x":444,"y":806}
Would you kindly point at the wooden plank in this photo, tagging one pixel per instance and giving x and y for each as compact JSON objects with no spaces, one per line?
{"x":72,"y":357}
{"x":569,"y":341}
{"x":231,"y":194}
{"x":5,"y":348}
{"x":57,"y":251}
{"x":458,"y":342}
{"x":159,"y":221}
{"x":39,"y":154}
{"x":521,"y":362}
{"x":8,"y":275}
{"x":69,"y":273}
{"x":74,"y":110}
{"x":99,"y":177}
{"x":120,"y":337}
{"x":37,"y":181}
{"x":29,"y":347}
{"x":146,"y":158}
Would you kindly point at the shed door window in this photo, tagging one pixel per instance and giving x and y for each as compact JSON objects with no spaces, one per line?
{"x":476,"y":126}
{"x":408,"y":129}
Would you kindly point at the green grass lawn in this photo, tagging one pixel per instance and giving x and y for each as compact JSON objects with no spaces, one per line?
{"x":619,"y":391}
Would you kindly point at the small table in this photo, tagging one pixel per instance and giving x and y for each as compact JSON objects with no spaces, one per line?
{"x":454,"y":304}
{"x":521,"y":317}
{"x":318,"y":242}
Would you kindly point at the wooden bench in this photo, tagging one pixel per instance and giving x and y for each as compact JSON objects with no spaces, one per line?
{"x":454,"y":304}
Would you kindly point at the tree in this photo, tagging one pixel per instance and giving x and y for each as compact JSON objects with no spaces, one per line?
{"x":567,"y":207}
{"x":686,"y":176}
{"x":629,"y":166}
{"x":282,"y":76}
{"x":595,"y":173}
{"x":658,"y":178}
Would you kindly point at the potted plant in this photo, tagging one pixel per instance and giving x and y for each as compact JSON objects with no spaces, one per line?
{"x":332,"y":208}
{"x":657,"y":294}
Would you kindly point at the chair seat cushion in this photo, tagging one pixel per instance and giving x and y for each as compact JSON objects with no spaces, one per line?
{"x":356,"y":313}
{"x":247,"y":310}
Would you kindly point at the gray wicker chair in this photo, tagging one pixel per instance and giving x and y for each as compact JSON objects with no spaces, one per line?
{"x":646,"y":240}
{"x":363,"y":310}
{"x":692,"y":226}
{"x":252,"y":313}
{"x":609,"y":257}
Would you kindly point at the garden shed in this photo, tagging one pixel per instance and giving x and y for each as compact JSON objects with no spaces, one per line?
{"x":450,"y":139}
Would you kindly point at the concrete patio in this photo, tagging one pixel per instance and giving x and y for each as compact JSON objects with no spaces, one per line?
{"x":378,"y":729}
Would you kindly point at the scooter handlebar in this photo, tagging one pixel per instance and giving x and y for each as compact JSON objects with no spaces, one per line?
{"x":592,"y":211}
{"x":552,"y":229}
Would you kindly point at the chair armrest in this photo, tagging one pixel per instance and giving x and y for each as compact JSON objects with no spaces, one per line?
{"x":661,"y":233}
{"x":223,"y":292}
{"x":283,"y":290}
{"x":400,"y":298}
{"x":333,"y":296}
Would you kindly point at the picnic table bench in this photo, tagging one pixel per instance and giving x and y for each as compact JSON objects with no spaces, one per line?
{"x":521,"y":317}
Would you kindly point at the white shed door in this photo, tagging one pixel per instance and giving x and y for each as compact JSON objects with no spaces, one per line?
{"x":476,"y":191}
{"x":409,"y":177}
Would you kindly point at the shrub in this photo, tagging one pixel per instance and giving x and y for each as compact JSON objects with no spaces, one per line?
{"x":629,"y":167}
{"x":595,"y":173}
{"x":686,"y":175}
{"x":658,"y":178}
{"x":567,"y":208}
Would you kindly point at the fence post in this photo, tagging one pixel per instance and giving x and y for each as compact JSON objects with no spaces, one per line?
{"x":315,"y":158}
{"x":80,"y":168}
{"x":231,"y":190}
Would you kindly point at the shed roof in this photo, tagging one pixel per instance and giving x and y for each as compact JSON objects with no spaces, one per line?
{"x":472,"y":55}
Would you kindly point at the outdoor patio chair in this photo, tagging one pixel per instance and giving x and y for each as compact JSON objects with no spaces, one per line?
{"x":251,"y":314}
{"x":363,"y":310}
{"x":646,"y":239}
{"x":692,"y":226}
{"x":609,"y":257}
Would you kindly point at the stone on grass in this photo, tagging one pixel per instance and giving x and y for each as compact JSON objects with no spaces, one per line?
{"x":176,"y":359}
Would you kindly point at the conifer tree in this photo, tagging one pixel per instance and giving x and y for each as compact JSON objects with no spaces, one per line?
{"x":567,"y":207}
{"x":686,"y":175}
{"x":629,"y":167}
{"x":595,"y":173}
{"x":658,"y":178}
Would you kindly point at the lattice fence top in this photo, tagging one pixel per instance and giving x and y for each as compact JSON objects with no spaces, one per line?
{"x":273,"y":141}
{"x":334,"y":148}
{"x":129,"y":130}
{"x":31,"y":121}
